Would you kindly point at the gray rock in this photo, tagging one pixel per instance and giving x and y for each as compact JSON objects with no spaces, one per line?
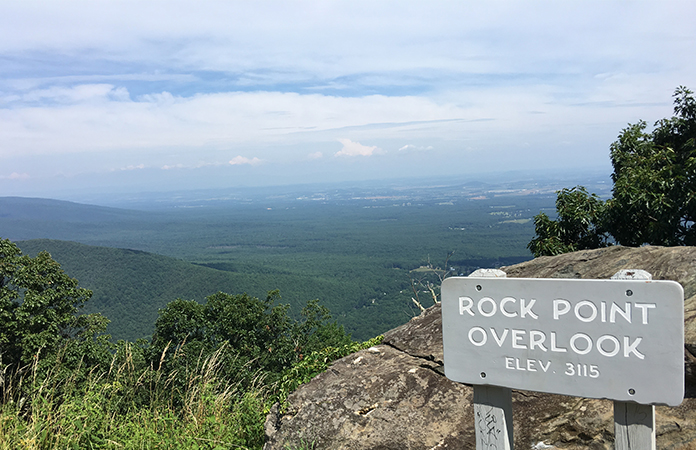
{"x":374,"y":399}
{"x":420,"y":337}
{"x":394,"y":396}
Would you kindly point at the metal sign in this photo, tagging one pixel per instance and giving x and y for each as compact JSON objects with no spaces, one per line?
{"x":616,"y":339}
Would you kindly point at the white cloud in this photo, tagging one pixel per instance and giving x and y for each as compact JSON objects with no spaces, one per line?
{"x":15,"y":176}
{"x":201,"y":164}
{"x":157,"y":122}
{"x":77,"y":94}
{"x":173,"y":166}
{"x":351,"y":148}
{"x":304,"y":41}
{"x":414,"y":148}
{"x":190,"y":165}
{"x":282,"y":79}
{"x":134,"y":167}
{"x":240,"y":160}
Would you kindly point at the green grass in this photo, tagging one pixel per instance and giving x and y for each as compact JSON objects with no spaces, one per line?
{"x":129,"y":408}
{"x":133,"y":407}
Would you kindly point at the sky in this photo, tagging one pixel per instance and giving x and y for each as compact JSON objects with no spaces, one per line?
{"x":129,"y":96}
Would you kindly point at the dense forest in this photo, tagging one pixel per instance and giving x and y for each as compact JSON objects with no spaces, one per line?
{"x":360,"y":257}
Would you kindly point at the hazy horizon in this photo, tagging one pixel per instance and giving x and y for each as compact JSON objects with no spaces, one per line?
{"x":490,"y":184}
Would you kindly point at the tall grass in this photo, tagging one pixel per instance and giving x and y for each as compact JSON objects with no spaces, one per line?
{"x":127,"y":407}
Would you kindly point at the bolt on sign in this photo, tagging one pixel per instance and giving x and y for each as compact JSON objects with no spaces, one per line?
{"x":615,"y":339}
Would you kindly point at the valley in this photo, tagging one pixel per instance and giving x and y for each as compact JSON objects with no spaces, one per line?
{"x":360,"y":251}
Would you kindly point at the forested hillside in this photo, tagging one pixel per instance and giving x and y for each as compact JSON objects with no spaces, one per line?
{"x":356,"y":251}
{"x":215,"y":362}
{"x":209,"y":373}
{"x":130,"y":286}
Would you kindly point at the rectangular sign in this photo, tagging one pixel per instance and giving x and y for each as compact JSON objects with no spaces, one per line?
{"x":615,"y":339}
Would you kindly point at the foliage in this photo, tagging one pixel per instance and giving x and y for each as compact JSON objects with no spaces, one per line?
{"x":315,"y":363}
{"x":579,"y":225}
{"x":654,"y":192}
{"x":655,"y":179}
{"x":255,"y":338}
{"x":206,"y":380}
{"x":107,"y":411}
{"x":39,"y":318}
{"x":103,"y":412}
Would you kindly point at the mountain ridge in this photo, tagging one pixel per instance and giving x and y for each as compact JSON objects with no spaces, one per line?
{"x":132,"y":313}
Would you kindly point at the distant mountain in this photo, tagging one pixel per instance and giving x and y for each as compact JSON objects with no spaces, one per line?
{"x":23,"y":218}
{"x":130,"y":286}
{"x":43,"y":209}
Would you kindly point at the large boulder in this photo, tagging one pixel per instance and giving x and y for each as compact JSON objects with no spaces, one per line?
{"x":395,"y":396}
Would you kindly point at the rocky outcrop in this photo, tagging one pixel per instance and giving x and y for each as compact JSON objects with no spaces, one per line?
{"x":663,"y":263}
{"x":395,"y":396}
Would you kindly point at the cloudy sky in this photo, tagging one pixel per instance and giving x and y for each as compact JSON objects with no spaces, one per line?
{"x":155,"y":95}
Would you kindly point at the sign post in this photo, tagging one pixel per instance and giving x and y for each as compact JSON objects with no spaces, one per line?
{"x":619,"y":339}
{"x":634,"y":424}
{"x":492,"y":404}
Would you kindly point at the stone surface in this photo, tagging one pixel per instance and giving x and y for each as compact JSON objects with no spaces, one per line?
{"x":374,"y":399}
{"x":394,"y":396}
{"x":420,"y":337}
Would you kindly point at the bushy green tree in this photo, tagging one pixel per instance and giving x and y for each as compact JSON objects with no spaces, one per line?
{"x":655,"y":179}
{"x":579,"y":225}
{"x":259,"y":336}
{"x":654,"y":192}
{"x":39,"y":315}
